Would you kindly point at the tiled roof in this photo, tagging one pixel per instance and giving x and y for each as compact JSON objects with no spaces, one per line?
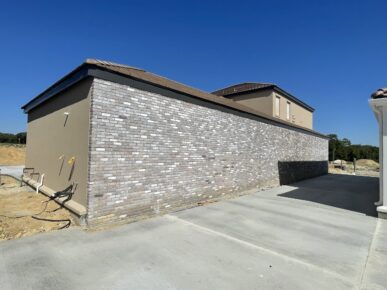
{"x":152,"y":78}
{"x":381,"y":93}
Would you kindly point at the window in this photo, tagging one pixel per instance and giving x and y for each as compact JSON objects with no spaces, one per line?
{"x":277,"y":106}
{"x":288,"y":110}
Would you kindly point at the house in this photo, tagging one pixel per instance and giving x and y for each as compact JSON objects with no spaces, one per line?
{"x":271,"y":100}
{"x":114,"y":143}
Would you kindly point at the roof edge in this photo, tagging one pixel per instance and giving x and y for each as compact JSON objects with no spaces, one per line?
{"x":86,"y":70}
{"x":295,"y":99}
{"x":246,"y":110}
{"x":264,"y":85}
{"x":68,"y":80}
{"x":267,"y":86}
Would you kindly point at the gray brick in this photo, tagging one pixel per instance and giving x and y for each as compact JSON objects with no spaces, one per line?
{"x":150,"y":154}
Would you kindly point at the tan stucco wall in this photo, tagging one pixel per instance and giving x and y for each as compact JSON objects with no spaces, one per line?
{"x":264,"y":101}
{"x":259,"y":101}
{"x":50,"y":136}
{"x":298,"y":115}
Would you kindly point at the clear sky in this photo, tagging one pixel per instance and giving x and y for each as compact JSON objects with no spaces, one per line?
{"x":330,"y":54}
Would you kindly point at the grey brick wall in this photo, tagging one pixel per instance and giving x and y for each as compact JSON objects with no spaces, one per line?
{"x":151,"y":154}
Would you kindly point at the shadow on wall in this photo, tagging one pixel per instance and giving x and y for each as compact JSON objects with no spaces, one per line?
{"x":350,"y":192}
{"x":293,"y":171}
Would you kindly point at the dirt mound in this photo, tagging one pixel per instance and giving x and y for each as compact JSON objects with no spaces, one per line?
{"x":12,"y":154}
{"x":367,"y":163}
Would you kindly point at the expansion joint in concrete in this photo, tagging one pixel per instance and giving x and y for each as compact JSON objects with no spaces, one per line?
{"x":261,"y":249}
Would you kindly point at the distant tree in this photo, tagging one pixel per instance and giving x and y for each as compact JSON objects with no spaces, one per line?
{"x":7,"y":138}
{"x":345,"y":150}
{"x":333,"y":145}
{"x":346,"y":142}
{"x":19,"y":138}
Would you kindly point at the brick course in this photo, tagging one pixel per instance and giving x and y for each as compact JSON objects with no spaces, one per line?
{"x":151,"y":154}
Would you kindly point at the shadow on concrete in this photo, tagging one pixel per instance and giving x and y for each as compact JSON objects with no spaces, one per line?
{"x":350,"y":192}
{"x":293,"y":171}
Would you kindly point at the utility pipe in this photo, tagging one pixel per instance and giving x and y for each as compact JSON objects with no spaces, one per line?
{"x":38,"y":186}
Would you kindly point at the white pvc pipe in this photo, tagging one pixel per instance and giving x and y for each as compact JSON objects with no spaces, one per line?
{"x":40,"y":183}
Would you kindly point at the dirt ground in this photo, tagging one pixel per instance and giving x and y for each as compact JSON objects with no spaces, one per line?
{"x":364,"y":167}
{"x":25,"y":213}
{"x":12,"y":154}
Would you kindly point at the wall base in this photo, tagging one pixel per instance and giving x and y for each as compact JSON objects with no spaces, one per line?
{"x":78,"y":210}
{"x":293,"y":171}
{"x":382,"y":212}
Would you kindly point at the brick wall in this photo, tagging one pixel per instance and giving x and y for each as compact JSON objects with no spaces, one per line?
{"x":151,"y":154}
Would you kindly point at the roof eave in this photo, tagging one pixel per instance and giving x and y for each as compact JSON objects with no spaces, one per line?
{"x":67,"y":81}
{"x":231,"y":95}
{"x":269,"y":87}
{"x":88,"y":69}
{"x":296,"y":100}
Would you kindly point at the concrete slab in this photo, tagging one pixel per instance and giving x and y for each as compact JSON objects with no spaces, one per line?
{"x":375,"y":273}
{"x":333,"y":239}
{"x":162,"y":253}
{"x":15,"y":171}
{"x":267,"y":240}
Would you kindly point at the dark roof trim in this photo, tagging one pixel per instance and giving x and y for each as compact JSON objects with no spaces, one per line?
{"x":275,"y":88}
{"x":72,"y":78}
{"x":240,"y":88}
{"x":294,"y":99}
{"x":87,"y":69}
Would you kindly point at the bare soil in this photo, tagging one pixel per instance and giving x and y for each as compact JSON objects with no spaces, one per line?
{"x":12,"y":154}
{"x":367,"y":163}
{"x":24,"y":213}
{"x":364,"y":167}
{"x":7,"y":181}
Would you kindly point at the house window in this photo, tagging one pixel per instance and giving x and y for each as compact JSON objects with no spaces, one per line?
{"x":288,"y":110}
{"x":277,"y":106}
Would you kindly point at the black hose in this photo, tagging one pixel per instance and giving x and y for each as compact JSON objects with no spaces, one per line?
{"x":67,"y":192}
{"x":53,"y":220}
{"x":29,"y":215}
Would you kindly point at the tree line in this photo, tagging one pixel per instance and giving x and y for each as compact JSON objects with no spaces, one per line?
{"x":344,"y":150}
{"x":19,"y":138}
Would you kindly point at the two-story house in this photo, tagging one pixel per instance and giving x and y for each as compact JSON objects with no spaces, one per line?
{"x":270,"y":100}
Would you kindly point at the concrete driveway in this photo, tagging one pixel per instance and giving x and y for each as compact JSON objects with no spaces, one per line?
{"x":317,"y":234}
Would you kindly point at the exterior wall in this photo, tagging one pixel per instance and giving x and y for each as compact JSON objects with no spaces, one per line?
{"x":151,"y":154}
{"x":264,"y":101}
{"x":51,"y":136}
{"x":299,"y":115}
{"x":260,"y":101}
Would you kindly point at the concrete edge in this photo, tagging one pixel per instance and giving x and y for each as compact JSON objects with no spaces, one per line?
{"x":382,"y":212}
{"x":73,"y":206}
{"x":8,"y":175}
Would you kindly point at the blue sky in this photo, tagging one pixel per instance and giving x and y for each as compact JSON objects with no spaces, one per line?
{"x":330,"y":54}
